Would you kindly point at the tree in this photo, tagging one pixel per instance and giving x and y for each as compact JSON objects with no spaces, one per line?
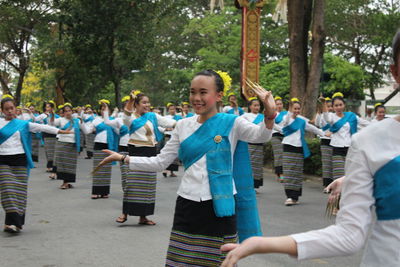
{"x":19,"y":20}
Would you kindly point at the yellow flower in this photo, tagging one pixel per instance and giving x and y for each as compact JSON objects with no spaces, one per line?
{"x":338,"y":94}
{"x":136,"y":92}
{"x":104,"y":101}
{"x":67,"y":104}
{"x":52,"y":102}
{"x":328,"y":99}
{"x":185,"y":103}
{"x":294,"y":99}
{"x":60,"y":106}
{"x":7,"y":96}
{"x":252,"y":98}
{"x":170,"y":104}
{"x":277,"y":98}
{"x":226,"y":79}
{"x":125,"y":98}
{"x":28,"y":104}
{"x":378,"y":104}
{"x":88,"y":106}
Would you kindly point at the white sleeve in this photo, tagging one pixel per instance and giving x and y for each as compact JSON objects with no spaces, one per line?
{"x":328,"y":117}
{"x":314,"y":129}
{"x":361,"y":123}
{"x":165,"y":122}
{"x":350,"y":232}
{"x":127,"y":119}
{"x":40,"y":118}
{"x":286,"y":119}
{"x":57,"y":122}
{"x":113,"y":123}
{"x":160,"y":162}
{"x":36,"y":127}
{"x":249,"y":132}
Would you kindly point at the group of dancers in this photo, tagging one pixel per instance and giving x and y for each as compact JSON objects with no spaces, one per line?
{"x":221,"y":153}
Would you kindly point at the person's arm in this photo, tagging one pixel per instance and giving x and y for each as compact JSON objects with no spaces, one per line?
{"x":165,"y":122}
{"x":36,"y":127}
{"x":113,"y":123}
{"x":250,"y":132}
{"x":361,"y":123}
{"x":314,"y":129}
{"x":56,"y":122}
{"x":328,"y":117}
{"x":346,"y":237}
{"x":152,"y":164}
{"x":40,"y":118}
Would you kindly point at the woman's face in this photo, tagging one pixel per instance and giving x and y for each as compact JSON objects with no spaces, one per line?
{"x":203,"y":95}
{"x":296,"y":109}
{"x":279,"y":105}
{"x":32,"y":109}
{"x":143,"y":106}
{"x":9,"y":110}
{"x":338,"y":106}
{"x":172,"y":110}
{"x":89,"y":110}
{"x":255,"y":106}
{"x":329,"y":106}
{"x":185,"y":109}
{"x":232,"y":100}
{"x":67,"y":112}
{"x":380,"y":113}
{"x":48,"y":108}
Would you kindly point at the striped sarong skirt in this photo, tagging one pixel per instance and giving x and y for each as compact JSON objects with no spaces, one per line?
{"x":49,"y":148}
{"x":140,"y":186}
{"x":198,"y":234}
{"x":293,"y":164}
{"x":256,"y":152}
{"x":66,"y":157}
{"x":326,"y":158}
{"x":338,"y":160}
{"x":90,"y":144}
{"x":55,"y":160}
{"x":13,"y":188}
{"x":102,"y":178}
{"x":123,"y":150}
{"x":35,"y":148}
{"x":277,"y":150}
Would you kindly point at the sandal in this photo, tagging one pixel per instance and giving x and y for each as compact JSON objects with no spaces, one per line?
{"x":70,"y":186}
{"x":12,"y":229}
{"x":96,"y":196}
{"x":63,"y":187}
{"x":104,"y":196}
{"x":122,"y":219}
{"x":147,"y":222}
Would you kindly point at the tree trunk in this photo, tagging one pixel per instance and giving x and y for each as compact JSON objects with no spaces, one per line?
{"x":317,"y":57}
{"x":117,"y":90}
{"x":299,"y":19}
{"x":18,"y":89}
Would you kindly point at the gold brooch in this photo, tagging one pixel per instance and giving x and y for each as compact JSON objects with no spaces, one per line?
{"x":218,"y":139}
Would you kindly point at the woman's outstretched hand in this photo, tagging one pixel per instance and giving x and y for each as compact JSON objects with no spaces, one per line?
{"x":113,"y":156}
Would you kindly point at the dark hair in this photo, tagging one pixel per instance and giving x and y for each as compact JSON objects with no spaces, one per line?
{"x":379,"y":106}
{"x":219,"y":83}
{"x":138,"y":98}
{"x":338,"y":98}
{"x":5,"y":100}
{"x":67,"y":106}
{"x":251,"y":103}
{"x":45,"y":104}
{"x":396,"y":47}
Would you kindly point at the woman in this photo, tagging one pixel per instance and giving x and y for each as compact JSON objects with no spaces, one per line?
{"x":295,"y":150}
{"x":277,"y":137}
{"x":233,"y":107}
{"x":15,"y":162}
{"x":174,"y":167}
{"x":205,"y":215}
{"x":68,"y":147}
{"x":140,"y":188}
{"x":186,"y":110}
{"x":105,"y":138}
{"x":343,"y":126}
{"x":380,"y":112}
{"x":89,"y":116}
{"x":256,"y":150}
{"x":326,"y":148}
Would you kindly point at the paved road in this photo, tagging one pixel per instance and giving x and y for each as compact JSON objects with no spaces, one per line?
{"x":66,"y":228}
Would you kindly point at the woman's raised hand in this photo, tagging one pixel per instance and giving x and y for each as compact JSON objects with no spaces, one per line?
{"x":266,"y":97}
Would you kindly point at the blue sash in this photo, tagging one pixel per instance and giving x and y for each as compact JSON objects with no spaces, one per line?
{"x":387,"y":190}
{"x":221,"y":172}
{"x":298,"y":124}
{"x":46,"y":119}
{"x":258,"y":119}
{"x":349,"y":117}
{"x":123,"y":131}
{"x":26,"y":139}
{"x":279,"y":118}
{"x":326,"y":127}
{"x":112,"y":137}
{"x":140,"y":122}
{"x":177,"y":117}
{"x":91,"y":118}
{"x":232,"y":111}
{"x":77,"y":132}
{"x":190,"y":114}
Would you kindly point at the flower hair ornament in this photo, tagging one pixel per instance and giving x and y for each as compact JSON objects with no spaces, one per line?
{"x":104,"y":101}
{"x":252,"y":98}
{"x":7,"y":96}
{"x":226,"y":79}
{"x":125,"y":98}
{"x":338,"y":94}
{"x":378,"y":104}
{"x":277,"y":98}
{"x":169,"y":104}
{"x":294,"y":99}
{"x":328,"y":99}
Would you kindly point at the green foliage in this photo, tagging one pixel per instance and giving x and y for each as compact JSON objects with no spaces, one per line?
{"x":275,"y":76}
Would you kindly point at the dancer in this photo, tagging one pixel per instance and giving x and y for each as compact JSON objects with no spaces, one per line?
{"x":343,"y":126}
{"x":15,"y":162}
{"x":89,"y":116}
{"x":186,"y":110}
{"x":233,"y":107}
{"x":69,"y":146}
{"x":326,"y":148}
{"x":140,"y":188}
{"x":205,"y":209}
{"x":105,"y":138}
{"x":256,"y":150}
{"x":380,"y":112}
{"x":174,"y":167}
{"x":295,"y":149}
{"x":277,"y":137}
